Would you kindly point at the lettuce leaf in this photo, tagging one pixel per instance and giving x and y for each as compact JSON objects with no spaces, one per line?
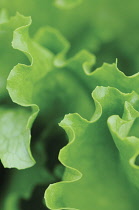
{"x":47,"y":52}
{"x":27,"y":84}
{"x":94,"y":161}
{"x":51,"y":79}
{"x":9,"y":57}
{"x":23,"y":182}
{"x":15,"y":143}
{"x":92,"y":23}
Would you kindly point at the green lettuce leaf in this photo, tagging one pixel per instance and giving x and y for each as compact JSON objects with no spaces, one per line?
{"x":9,"y":57}
{"x":100,"y":26}
{"x":95,"y":176}
{"x":15,"y":141}
{"x":50,"y":75}
{"x":90,"y":15}
{"x":102,"y":158}
{"x":23,"y":182}
{"x":125,"y":135}
{"x":35,"y":86}
{"x":27,"y":84}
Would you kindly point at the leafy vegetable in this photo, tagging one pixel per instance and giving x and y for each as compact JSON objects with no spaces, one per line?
{"x":94,"y":163}
{"x":45,"y":76}
{"x":12,"y":155}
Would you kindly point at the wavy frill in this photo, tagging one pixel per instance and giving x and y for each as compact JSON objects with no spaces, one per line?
{"x":92,"y":158}
{"x":100,"y":171}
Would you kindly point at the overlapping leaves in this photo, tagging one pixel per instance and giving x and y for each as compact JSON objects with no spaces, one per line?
{"x":107,"y":168}
{"x":100,"y":170}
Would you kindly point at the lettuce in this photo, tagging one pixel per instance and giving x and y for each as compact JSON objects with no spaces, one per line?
{"x":89,"y":158}
{"x":100,"y":170}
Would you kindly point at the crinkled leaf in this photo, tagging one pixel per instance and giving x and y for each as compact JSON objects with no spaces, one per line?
{"x":94,"y":169}
{"x":15,"y":141}
{"x":9,"y":57}
{"x":27,"y":84}
{"x":22,"y":183}
{"x":45,"y":81}
{"x":90,"y":14}
{"x":126,"y":138}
